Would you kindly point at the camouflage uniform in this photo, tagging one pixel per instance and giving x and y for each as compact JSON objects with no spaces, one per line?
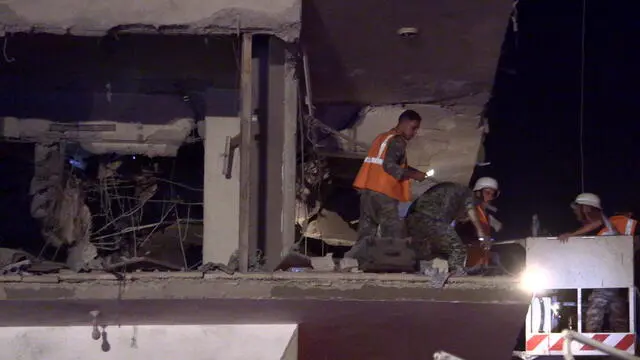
{"x":429,"y":222}
{"x":379,"y":209}
{"x":601,"y":302}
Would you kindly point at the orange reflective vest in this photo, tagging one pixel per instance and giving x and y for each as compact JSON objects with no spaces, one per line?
{"x":373,"y":177}
{"x":484,"y":220}
{"x":623,"y":224}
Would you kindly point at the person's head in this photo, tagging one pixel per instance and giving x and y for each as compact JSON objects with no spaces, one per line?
{"x":587,"y":207}
{"x":486,"y":189}
{"x":408,"y":124}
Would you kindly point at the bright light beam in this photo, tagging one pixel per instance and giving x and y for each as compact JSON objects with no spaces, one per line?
{"x":534,"y":279}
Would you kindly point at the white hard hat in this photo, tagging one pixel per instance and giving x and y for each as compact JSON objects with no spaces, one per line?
{"x":588,"y":199}
{"x":484,"y":183}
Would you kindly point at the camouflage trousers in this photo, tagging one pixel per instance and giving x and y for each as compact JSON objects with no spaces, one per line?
{"x":602,"y":302}
{"x":377,"y":209}
{"x":429,"y":235}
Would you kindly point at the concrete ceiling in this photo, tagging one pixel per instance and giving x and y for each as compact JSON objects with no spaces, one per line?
{"x":354,"y":51}
{"x":95,"y":18}
{"x":355,"y":54}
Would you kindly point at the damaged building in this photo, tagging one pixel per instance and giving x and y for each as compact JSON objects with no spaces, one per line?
{"x":219,"y":137}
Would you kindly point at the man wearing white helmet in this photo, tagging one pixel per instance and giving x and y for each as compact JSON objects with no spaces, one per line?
{"x":485,"y":191}
{"x":588,"y":210}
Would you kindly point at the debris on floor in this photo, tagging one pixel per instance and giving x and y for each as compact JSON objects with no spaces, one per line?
{"x":323,"y":263}
{"x":18,"y":262}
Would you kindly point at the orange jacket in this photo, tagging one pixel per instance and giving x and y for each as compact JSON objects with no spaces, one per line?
{"x":623,"y":224}
{"x":484,"y":220}
{"x":373,"y":177}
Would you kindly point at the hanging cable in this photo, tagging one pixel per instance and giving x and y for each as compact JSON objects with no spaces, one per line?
{"x":582,"y":67}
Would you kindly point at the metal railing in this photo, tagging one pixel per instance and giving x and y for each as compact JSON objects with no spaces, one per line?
{"x":570,"y":336}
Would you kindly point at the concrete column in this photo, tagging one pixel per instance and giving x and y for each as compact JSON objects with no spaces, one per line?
{"x":221,"y":195}
{"x":280,"y":135}
{"x":246,"y":145}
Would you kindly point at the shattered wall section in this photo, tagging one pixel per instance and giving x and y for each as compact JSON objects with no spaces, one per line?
{"x":103,"y":137}
{"x":58,"y":202}
{"x":448,"y":141}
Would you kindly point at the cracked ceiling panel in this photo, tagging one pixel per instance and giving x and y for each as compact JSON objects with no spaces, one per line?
{"x":356,"y":54}
{"x":95,"y":18}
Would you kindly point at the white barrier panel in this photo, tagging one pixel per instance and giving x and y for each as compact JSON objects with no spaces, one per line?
{"x":193,"y":342}
{"x":582,"y":262}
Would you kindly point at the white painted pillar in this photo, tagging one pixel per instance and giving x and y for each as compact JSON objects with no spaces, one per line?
{"x":221,"y":195}
{"x":281,"y":153}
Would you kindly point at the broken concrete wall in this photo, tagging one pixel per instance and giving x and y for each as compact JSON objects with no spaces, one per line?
{"x":448,"y":141}
{"x":80,"y":17}
{"x":103,"y":137}
{"x":160,"y":342}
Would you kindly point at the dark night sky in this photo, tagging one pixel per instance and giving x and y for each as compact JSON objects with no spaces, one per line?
{"x":535,"y":123}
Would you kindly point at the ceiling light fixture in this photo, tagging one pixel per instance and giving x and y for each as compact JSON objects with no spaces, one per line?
{"x":407,"y":32}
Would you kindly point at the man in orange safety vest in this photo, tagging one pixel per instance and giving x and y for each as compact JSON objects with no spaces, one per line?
{"x":384,"y":181}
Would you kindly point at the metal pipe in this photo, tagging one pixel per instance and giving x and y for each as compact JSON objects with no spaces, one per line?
{"x":569,"y":336}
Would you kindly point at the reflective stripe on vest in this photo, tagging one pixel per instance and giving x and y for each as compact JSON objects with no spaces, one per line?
{"x":620,"y":225}
{"x":378,"y":160}
{"x":484,"y":220}
{"x":630,"y":227}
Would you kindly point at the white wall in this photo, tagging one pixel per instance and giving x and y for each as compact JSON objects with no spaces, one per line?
{"x":188,"y":342}
{"x":221,"y":195}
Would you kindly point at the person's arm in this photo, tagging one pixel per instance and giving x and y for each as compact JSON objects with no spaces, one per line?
{"x":585,"y":229}
{"x":472,"y":212}
{"x":392,"y":163}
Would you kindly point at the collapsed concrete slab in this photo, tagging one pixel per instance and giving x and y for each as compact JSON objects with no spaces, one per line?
{"x":448,"y":144}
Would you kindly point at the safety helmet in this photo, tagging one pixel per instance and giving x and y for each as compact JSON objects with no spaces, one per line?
{"x":587,"y":199}
{"x":484,"y":183}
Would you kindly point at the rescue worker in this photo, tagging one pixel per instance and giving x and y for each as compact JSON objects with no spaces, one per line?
{"x":384,"y":181}
{"x":588,"y":211}
{"x":623,"y":223}
{"x":479,"y":257}
{"x":430,"y":222}
{"x":485,"y":190}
